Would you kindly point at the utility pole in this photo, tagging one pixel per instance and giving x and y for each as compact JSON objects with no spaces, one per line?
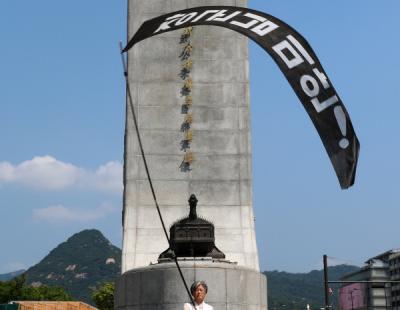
{"x":326,"y":282}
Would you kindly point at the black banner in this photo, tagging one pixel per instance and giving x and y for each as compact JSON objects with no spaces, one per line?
{"x":298,"y":63}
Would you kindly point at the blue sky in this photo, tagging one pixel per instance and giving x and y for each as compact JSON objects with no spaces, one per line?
{"x":62,"y":124}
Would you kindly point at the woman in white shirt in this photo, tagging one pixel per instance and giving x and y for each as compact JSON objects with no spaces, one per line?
{"x":199,"y":291}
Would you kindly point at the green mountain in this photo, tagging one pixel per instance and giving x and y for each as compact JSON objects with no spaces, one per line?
{"x":87,"y":259}
{"x":78,"y":265}
{"x":10,"y":275}
{"x":293,"y":291}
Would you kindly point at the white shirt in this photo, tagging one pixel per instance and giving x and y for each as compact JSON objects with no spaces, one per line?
{"x":202,"y":306}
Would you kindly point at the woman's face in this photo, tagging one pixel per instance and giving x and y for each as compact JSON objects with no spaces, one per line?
{"x":199,"y":294}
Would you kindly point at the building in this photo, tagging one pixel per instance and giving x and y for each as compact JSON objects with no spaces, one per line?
{"x":373,"y":291}
{"x":394,"y":272}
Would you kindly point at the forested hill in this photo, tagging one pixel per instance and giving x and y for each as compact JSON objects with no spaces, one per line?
{"x":10,"y":275}
{"x":88,"y":258}
{"x":78,"y":265}
{"x":293,"y":291}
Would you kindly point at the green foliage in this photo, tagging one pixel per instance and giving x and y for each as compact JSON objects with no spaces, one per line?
{"x":45,"y":293}
{"x":103,"y":296}
{"x":78,"y":265}
{"x":16,"y":289}
{"x":293,"y":291}
{"x":11,"y":290}
{"x":11,"y":275}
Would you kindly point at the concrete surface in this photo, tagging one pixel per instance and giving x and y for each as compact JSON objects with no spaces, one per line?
{"x":221,"y":172}
{"x":230,"y":287}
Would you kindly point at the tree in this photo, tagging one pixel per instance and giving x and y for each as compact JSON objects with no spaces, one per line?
{"x":16,"y":289}
{"x":50,"y":293}
{"x":12,"y":290}
{"x":103,"y":296}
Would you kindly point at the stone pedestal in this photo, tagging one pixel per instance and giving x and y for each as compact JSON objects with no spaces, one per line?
{"x":159,"y":286}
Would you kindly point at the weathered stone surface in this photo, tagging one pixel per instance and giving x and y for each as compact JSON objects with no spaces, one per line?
{"x":160,"y":286}
{"x":220,"y":94}
{"x":221,"y":145}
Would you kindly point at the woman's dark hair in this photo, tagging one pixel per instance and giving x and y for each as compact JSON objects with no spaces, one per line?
{"x":196,"y":284}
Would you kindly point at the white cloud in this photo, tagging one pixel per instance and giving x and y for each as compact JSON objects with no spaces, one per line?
{"x":6,"y":172}
{"x":108,"y":177}
{"x":59,"y":213}
{"x":48,"y":173}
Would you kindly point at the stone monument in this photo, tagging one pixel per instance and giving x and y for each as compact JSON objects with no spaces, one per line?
{"x":190,"y":92}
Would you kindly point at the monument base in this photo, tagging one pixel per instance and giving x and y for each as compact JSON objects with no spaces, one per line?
{"x":159,"y":286}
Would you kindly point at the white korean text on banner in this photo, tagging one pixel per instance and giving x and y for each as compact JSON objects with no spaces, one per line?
{"x":298,"y":63}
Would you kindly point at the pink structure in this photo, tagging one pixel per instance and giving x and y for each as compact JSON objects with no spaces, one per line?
{"x":352,"y":297}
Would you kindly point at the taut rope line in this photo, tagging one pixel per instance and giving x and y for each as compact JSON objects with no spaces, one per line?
{"x":128,"y":90}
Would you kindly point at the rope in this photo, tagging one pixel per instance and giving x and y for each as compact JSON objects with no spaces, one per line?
{"x":128,"y":89}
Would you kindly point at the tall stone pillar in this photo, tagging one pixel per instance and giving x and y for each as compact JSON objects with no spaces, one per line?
{"x":220,"y":173}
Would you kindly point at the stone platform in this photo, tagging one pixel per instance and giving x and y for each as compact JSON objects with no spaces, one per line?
{"x":159,"y":286}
